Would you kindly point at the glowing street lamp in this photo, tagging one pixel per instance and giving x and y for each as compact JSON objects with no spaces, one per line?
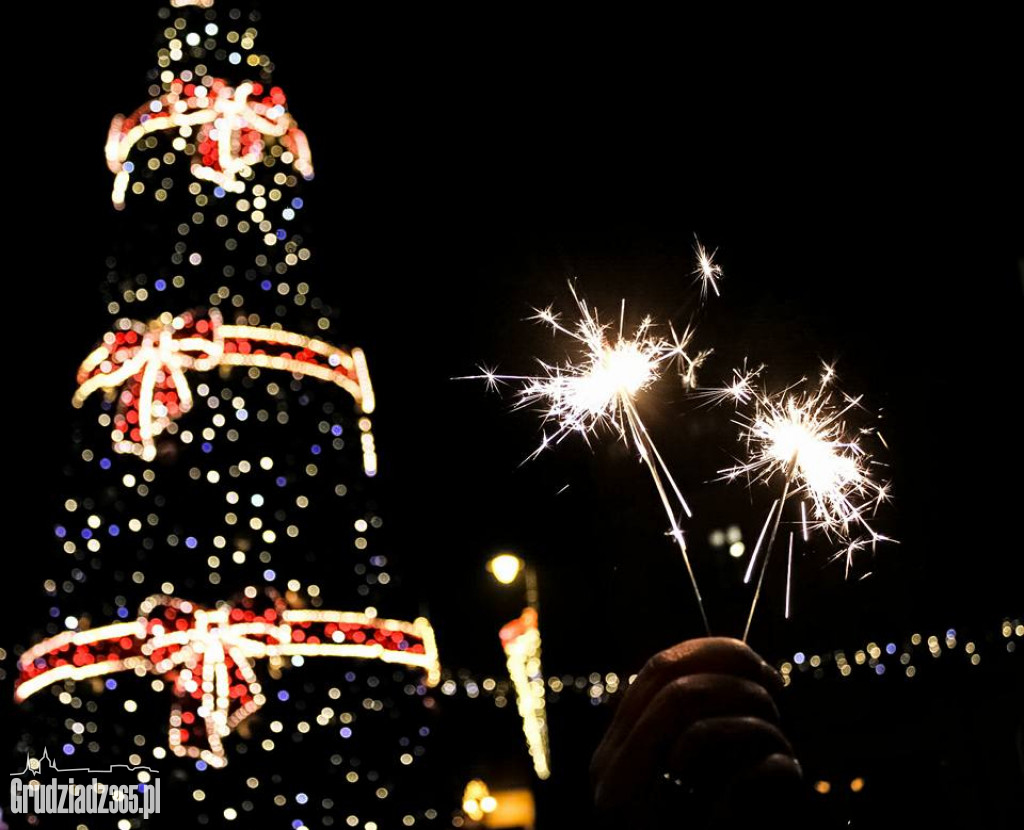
{"x":520,"y":640}
{"x":506,"y":568}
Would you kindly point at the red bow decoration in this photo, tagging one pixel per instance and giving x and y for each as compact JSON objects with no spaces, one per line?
{"x":208,"y":656}
{"x":146,"y":367}
{"x":234,"y":126}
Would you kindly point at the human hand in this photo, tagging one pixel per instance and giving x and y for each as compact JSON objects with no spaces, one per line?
{"x":701,"y":714}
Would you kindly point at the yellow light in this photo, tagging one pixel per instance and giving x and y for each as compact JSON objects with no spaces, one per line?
{"x":506,"y":809}
{"x":857,"y":784}
{"x":475,"y":793}
{"x":521,"y":641}
{"x":823,"y":787}
{"x":505,"y":567}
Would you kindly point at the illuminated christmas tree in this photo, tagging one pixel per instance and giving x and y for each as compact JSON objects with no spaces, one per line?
{"x":223,"y":604}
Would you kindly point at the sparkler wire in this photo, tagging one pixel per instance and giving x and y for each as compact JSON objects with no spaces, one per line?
{"x":647,"y":449}
{"x":790,"y":470}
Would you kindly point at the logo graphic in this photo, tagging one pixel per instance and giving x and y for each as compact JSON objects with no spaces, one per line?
{"x":43,"y":788}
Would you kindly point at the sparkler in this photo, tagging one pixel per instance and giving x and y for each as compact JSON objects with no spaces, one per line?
{"x":707,"y":271}
{"x":599,"y":391}
{"x":803,"y":437}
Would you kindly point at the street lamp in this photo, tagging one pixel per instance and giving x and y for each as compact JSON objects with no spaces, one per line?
{"x":520,"y":640}
{"x":506,"y":568}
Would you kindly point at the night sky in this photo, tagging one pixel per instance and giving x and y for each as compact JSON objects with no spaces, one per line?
{"x":867,"y":215}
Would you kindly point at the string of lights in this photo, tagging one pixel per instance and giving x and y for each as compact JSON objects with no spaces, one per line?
{"x":909,"y":660}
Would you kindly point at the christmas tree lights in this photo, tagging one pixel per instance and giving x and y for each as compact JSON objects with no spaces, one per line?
{"x":219,"y":535}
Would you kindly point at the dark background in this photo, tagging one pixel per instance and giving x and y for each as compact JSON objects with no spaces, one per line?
{"x":866,"y":204}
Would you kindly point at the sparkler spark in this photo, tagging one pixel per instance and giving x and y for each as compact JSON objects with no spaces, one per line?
{"x":687,"y":364}
{"x":739,"y":391}
{"x":803,"y":437}
{"x":707,"y":271}
{"x":598,"y":391}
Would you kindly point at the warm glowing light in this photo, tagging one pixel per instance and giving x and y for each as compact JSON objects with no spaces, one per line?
{"x":802,"y":438}
{"x":599,"y":390}
{"x":366,"y":438}
{"x":823,"y":787}
{"x":521,"y":641}
{"x":505,"y":567}
{"x":208,"y":656}
{"x":857,"y":784}
{"x":476,"y":799}
{"x":235,"y":125}
{"x":145,"y":365}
